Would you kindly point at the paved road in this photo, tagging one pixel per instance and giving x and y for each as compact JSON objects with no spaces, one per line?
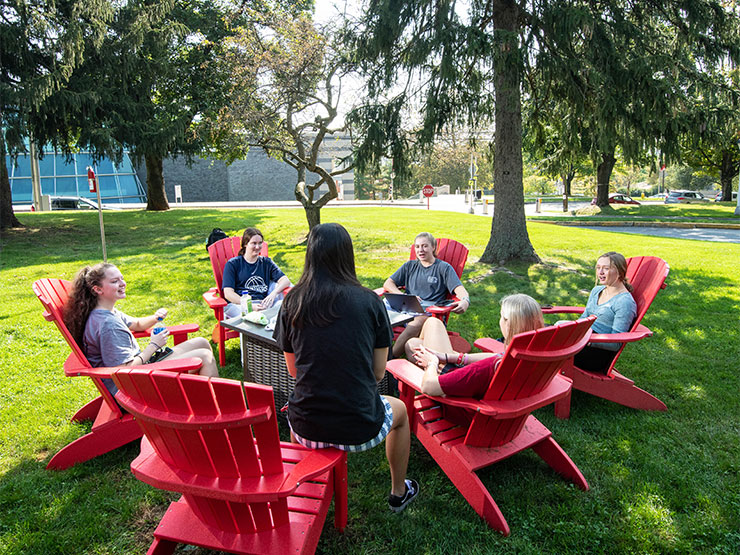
{"x":704,"y":234}
{"x":456,"y":203}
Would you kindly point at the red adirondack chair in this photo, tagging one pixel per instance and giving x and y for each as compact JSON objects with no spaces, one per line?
{"x":456,"y":255}
{"x":500,"y":424}
{"x":111,"y":428}
{"x":220,"y":252}
{"x":243,"y":490}
{"x":647,"y":274}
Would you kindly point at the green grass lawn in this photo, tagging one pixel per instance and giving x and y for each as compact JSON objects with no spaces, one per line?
{"x":723,"y":212}
{"x":660,"y":482}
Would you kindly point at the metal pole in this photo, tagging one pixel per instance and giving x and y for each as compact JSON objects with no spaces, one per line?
{"x":35,"y":177}
{"x":100,"y":214}
{"x":737,"y":206}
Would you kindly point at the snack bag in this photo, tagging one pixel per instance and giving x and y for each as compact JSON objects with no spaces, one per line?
{"x":256,"y":317}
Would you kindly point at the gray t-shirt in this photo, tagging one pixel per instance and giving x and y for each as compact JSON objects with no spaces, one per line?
{"x":431,"y":283}
{"x":108,"y":341}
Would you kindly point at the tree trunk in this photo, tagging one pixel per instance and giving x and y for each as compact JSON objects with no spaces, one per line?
{"x":509,"y":238}
{"x":603,"y":174}
{"x":728,"y":171}
{"x":156,"y":197}
{"x":313,"y":215}
{"x":567,"y":178}
{"x":7,"y":217}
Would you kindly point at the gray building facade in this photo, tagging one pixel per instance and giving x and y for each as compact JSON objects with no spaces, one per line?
{"x":257,"y":178}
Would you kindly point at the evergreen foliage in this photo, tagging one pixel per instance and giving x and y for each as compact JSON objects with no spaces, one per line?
{"x":602,"y":75}
{"x":41,"y":43}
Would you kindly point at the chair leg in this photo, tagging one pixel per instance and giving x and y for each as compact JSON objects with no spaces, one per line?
{"x":464,"y":479}
{"x":96,"y":443}
{"x":562,"y":407}
{"x":161,"y":547}
{"x":219,"y":338}
{"x":550,"y":452}
{"x":340,"y":494}
{"x":475,"y":493}
{"x":618,"y":389}
{"x":89,"y":411}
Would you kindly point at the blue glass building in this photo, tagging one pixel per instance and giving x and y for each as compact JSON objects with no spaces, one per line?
{"x":61,"y":176}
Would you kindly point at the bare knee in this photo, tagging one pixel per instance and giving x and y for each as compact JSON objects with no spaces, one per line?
{"x":199,"y":343}
{"x":412,"y":344}
{"x":433,"y":325}
{"x":400,"y":416}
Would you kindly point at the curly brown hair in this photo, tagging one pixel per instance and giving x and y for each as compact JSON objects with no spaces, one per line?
{"x":82,"y":299}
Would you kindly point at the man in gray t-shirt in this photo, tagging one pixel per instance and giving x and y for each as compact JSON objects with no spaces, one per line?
{"x":428,"y":278}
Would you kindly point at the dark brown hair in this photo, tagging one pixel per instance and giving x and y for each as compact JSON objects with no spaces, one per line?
{"x":328,"y":272}
{"x":247,"y":236}
{"x":82,"y":299}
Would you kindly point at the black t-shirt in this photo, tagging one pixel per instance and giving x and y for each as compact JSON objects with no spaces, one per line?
{"x":335,"y":399}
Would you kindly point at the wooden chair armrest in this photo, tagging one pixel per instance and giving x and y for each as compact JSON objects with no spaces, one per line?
{"x":406,"y":371}
{"x":71,"y":369}
{"x":489,"y":345}
{"x":316,"y":463}
{"x":439,"y":310}
{"x":178,"y":333}
{"x":557,"y":389}
{"x":150,"y":469}
{"x":213,"y":299}
{"x":627,"y":337}
{"x":174,"y":330}
{"x":563,"y":309}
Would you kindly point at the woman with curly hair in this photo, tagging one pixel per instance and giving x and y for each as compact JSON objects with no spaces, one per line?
{"x":105,"y":334}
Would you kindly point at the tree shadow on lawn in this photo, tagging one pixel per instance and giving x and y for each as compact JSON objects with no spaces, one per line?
{"x":57,"y":238}
{"x":78,"y":510}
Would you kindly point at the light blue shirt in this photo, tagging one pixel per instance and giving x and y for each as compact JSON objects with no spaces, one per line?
{"x":614,"y":316}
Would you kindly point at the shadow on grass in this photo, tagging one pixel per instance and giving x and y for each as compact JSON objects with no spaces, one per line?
{"x":49,"y":511}
{"x":177,"y":235}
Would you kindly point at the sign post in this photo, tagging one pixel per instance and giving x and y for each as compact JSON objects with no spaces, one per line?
{"x":737,"y":206}
{"x":92,"y":182}
{"x":427,"y":191}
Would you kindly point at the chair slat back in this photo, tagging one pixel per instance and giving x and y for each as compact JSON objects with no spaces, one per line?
{"x":529,"y":364}
{"x":221,"y":252}
{"x":53,"y":294}
{"x":450,"y":251}
{"x":647,"y":274}
{"x":208,"y":428}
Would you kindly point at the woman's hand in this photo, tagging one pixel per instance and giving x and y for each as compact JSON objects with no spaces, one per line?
{"x":160,"y":338}
{"x":424,"y":357}
{"x":161,"y":314}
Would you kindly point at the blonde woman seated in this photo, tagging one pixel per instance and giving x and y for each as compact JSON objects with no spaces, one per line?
{"x":448,"y":372}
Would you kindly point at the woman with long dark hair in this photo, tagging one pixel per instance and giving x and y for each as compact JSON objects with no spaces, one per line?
{"x":335,"y":336}
{"x":105,"y":334}
{"x":253,"y":274}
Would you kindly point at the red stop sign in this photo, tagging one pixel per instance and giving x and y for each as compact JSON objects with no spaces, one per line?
{"x":427,"y":191}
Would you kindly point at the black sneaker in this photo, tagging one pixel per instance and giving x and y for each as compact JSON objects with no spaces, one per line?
{"x":398,"y":503}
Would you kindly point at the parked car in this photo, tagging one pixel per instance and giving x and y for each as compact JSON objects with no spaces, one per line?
{"x":619,"y":198}
{"x":684,"y":197}
{"x":718,"y":196}
{"x":78,"y":203}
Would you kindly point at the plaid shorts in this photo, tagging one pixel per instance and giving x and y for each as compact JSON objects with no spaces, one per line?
{"x":384,"y":429}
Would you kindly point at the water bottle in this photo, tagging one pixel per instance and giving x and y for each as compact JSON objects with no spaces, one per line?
{"x":246,"y":302}
{"x":158,"y":327}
